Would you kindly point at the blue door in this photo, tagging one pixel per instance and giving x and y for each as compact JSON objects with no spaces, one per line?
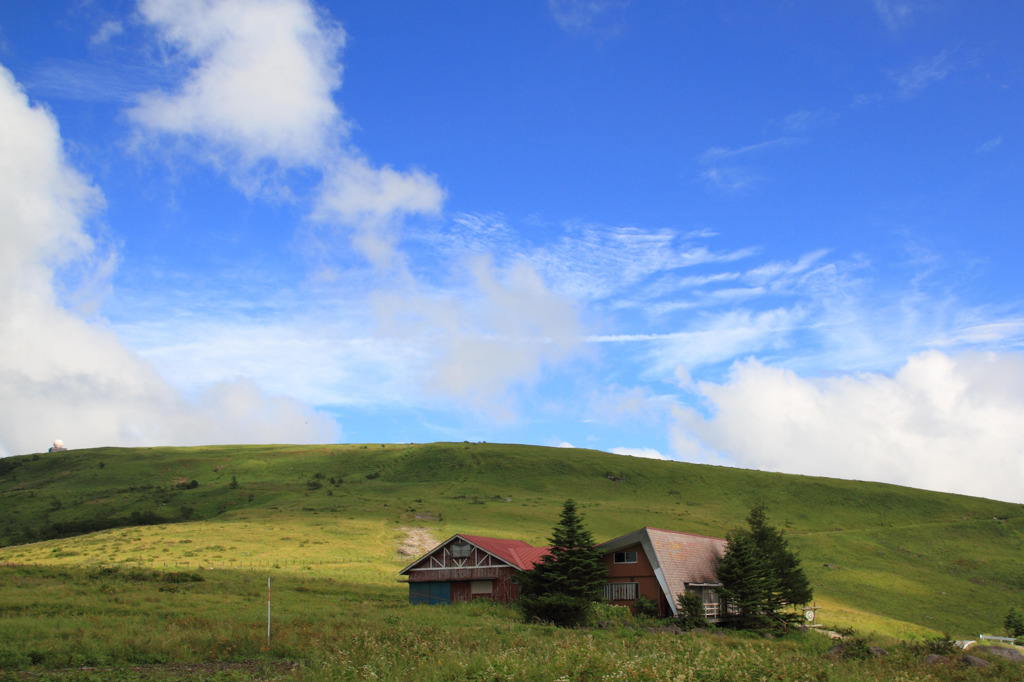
{"x":430,"y":593}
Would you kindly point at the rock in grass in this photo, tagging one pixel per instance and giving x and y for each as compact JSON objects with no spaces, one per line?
{"x":935,"y":659}
{"x":1001,"y":651}
{"x":969,"y":661}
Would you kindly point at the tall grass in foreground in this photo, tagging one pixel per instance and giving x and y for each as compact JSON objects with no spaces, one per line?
{"x":144,"y":624}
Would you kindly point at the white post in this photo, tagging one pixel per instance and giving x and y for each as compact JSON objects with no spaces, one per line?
{"x":268,"y":610}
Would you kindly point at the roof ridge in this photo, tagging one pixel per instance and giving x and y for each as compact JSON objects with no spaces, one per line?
{"x":681,"y":532}
{"x":507,"y":549}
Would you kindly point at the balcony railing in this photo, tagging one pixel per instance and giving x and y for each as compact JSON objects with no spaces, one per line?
{"x":716,"y":610}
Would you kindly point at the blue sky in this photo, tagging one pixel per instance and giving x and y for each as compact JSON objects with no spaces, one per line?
{"x":783,"y":237}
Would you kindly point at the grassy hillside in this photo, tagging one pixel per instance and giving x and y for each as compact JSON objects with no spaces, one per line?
{"x":881,"y":557}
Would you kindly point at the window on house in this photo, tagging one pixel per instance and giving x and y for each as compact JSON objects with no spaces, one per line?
{"x":620,"y":591}
{"x":460,"y":550}
{"x":625,"y":557}
{"x":481,"y":587}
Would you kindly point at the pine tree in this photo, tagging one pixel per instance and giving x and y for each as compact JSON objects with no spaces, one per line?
{"x":561,"y":587}
{"x":760,"y":574}
{"x":747,"y":583}
{"x":792,"y":584}
{"x":1014,"y":623}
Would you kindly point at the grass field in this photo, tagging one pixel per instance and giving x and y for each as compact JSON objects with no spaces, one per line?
{"x":326,"y":522}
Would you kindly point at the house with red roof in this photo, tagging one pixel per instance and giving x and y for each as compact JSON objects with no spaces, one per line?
{"x":466,"y":567}
{"x":649,"y":562}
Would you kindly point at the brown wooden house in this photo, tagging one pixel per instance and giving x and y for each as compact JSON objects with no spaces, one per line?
{"x":649,"y":562}
{"x":661,"y":565}
{"x":466,"y":567}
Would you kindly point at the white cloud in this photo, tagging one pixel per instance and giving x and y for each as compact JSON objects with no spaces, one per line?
{"x":61,"y":376}
{"x":803,"y":121}
{"x":729,"y":179}
{"x":587,"y":15}
{"x":325,"y":351}
{"x":494,"y":335}
{"x":106,"y":31}
{"x":990,"y":145}
{"x":723,"y":336}
{"x":371,"y":200}
{"x":647,"y":453}
{"x":895,"y":14}
{"x":780,"y":275}
{"x":949,"y":423}
{"x":916,"y":78}
{"x":719,"y":153}
{"x":593,"y":262}
{"x":258,"y":98}
{"x":261,"y":83}
{"x":1002,"y":332}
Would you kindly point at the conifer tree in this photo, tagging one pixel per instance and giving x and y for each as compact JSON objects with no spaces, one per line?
{"x":760,"y":574}
{"x":747,"y":583}
{"x":792,"y":584}
{"x":1014,"y":623}
{"x":561,"y":587}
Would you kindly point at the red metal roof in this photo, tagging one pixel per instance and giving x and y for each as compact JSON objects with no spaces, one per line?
{"x":516,"y":552}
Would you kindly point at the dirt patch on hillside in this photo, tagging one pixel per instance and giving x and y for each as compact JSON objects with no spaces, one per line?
{"x":417,"y":541}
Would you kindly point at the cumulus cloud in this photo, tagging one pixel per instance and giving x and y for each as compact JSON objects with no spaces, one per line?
{"x":262,"y":81}
{"x":64,"y":376}
{"x":646,"y":453}
{"x":240,"y":105}
{"x":106,"y":31}
{"x":616,"y":404}
{"x":257,"y":98}
{"x":941,"y":422}
{"x":372,"y":200}
{"x":497,"y":334}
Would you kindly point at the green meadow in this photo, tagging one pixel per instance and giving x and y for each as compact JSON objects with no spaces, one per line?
{"x":152,"y":563}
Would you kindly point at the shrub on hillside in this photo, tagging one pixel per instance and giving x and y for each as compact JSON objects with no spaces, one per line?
{"x":691,"y":612}
{"x":563,"y":610}
{"x":942,"y":646}
{"x":646,"y":607}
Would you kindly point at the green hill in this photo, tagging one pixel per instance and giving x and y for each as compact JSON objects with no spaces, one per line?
{"x":880,"y":557}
